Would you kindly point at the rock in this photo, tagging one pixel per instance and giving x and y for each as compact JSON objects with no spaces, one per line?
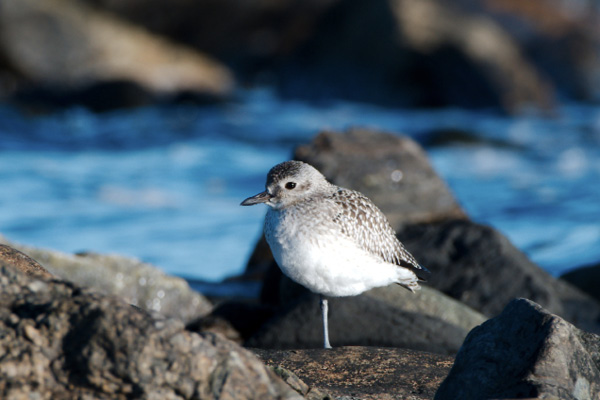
{"x":310,"y":393}
{"x":296,"y":323}
{"x":477,"y":265}
{"x":236,"y":320}
{"x":390,"y":169}
{"x":586,"y":279}
{"x":357,"y":321}
{"x":63,"y":341}
{"x":22,"y":262}
{"x":138,"y":283}
{"x":364,"y":372}
{"x":525,"y":352}
{"x":431,"y":302}
{"x":68,"y":45}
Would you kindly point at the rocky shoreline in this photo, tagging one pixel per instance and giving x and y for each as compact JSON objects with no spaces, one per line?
{"x":489,"y":324}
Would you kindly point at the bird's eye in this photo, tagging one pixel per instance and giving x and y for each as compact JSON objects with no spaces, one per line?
{"x":290,"y":185}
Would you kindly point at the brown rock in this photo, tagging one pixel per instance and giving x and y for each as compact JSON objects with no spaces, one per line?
{"x":68,"y":44}
{"x":364,"y":372}
{"x":22,"y":262}
{"x":310,"y":393}
{"x":62,"y":341}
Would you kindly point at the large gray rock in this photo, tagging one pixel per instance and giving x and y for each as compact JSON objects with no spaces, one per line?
{"x":365,"y":372}
{"x":138,"y":283}
{"x":479,"y":266}
{"x":431,"y":302}
{"x":525,"y":352}
{"x":357,"y":321}
{"x":387,"y":316}
{"x":63,"y":341}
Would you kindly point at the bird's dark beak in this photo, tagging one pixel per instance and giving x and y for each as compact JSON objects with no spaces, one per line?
{"x":262,"y":197}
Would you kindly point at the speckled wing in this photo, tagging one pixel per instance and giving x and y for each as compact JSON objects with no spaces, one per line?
{"x":362,"y":221}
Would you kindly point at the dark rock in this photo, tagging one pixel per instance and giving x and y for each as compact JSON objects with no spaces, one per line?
{"x":525,"y":352}
{"x":22,"y":262}
{"x":61,"y":341}
{"x":357,"y":321}
{"x":242,"y":322}
{"x":136,"y":282}
{"x":586,"y":279}
{"x":81,"y":52}
{"x":477,"y":265}
{"x":235,"y":320}
{"x":364,"y":372}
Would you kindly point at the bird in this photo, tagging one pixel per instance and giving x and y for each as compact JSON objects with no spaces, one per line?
{"x":331,"y":240}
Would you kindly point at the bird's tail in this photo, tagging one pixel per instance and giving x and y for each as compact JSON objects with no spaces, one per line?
{"x":408,"y":279}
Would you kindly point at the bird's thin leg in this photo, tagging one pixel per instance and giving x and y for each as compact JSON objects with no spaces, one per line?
{"x":324,"y":307}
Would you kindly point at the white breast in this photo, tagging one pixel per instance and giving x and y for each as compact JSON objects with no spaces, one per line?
{"x":313,"y":253}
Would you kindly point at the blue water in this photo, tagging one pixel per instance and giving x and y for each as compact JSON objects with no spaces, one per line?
{"x":164,"y":183}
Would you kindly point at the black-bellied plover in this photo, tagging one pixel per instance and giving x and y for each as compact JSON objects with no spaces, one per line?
{"x":331,"y":240}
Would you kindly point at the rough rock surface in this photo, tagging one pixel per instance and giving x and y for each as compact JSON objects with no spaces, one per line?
{"x":525,"y":352}
{"x":365,"y":372}
{"x":356,"y":321}
{"x":586,"y":279}
{"x":140,"y":284}
{"x":477,"y":265}
{"x":67,"y":44}
{"x":61,"y":341}
{"x":22,"y":262}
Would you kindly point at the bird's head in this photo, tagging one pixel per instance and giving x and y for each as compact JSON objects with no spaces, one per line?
{"x":289,"y":183}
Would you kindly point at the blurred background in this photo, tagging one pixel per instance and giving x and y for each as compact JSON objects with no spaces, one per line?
{"x":137,"y":126}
